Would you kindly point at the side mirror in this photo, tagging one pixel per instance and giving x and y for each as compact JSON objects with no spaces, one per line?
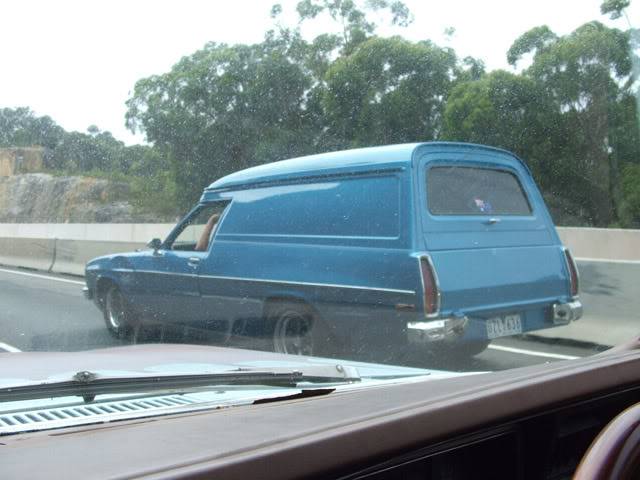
{"x":155,"y":244}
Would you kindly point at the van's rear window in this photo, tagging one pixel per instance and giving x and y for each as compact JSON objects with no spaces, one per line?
{"x":475,"y":191}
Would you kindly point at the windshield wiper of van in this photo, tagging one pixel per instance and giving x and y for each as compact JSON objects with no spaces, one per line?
{"x":88,"y":384}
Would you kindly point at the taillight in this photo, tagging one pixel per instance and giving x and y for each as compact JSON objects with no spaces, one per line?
{"x":430,"y":287}
{"x":574,"y":279}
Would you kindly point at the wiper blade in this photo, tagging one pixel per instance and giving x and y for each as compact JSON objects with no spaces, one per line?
{"x":88,"y":384}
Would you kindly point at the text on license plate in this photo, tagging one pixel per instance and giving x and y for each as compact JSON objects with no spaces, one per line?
{"x":504,"y":325}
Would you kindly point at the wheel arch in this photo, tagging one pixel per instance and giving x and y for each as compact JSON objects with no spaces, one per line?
{"x":103,"y":283}
{"x":275,"y":299}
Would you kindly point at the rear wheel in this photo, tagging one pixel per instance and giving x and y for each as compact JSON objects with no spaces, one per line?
{"x":117,"y":314}
{"x":466,"y":349}
{"x":296,"y":330}
{"x":443,"y":355}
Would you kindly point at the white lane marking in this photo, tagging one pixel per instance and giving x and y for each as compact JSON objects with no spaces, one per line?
{"x":606,"y":260}
{"x":46,"y":277}
{"x":534,"y":353}
{"x":9,"y":348}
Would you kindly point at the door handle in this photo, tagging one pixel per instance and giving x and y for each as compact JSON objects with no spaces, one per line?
{"x":193,"y":261}
{"x":492,"y":221}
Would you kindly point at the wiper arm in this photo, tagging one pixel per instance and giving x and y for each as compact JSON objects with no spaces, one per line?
{"x":87,"y":384}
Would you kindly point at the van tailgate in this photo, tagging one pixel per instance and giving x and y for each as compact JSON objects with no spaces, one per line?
{"x":506,"y":278}
{"x":489,"y":234}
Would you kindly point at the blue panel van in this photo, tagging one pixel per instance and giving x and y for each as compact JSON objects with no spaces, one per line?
{"x":427,"y":245}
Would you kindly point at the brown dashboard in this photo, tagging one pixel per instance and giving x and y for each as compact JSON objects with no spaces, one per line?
{"x":533,"y":422}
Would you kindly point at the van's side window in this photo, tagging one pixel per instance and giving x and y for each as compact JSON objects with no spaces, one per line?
{"x":359,"y":207}
{"x":188,"y":238}
{"x":453,"y":190}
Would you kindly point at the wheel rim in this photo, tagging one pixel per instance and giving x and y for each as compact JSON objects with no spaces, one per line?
{"x":292,"y":334}
{"x":115,"y":309}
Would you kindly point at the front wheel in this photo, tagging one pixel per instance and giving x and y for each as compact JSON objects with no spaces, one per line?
{"x":117,"y":315}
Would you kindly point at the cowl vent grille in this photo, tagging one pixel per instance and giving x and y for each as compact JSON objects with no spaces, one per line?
{"x":106,"y":411}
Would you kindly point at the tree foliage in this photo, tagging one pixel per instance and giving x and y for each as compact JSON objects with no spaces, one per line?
{"x":584,"y":75}
{"x":224,"y":108}
{"x":228,"y":107}
{"x":571,"y":110}
{"x":352,"y":17}
{"x":614,"y":8}
{"x":72,"y":152}
{"x":571,"y":114}
{"x":20,"y":127}
{"x":389,"y":90}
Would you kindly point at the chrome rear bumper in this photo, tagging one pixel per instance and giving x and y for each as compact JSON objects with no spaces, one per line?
{"x":435,"y":330}
{"x":564,"y":313}
{"x":426,"y":331}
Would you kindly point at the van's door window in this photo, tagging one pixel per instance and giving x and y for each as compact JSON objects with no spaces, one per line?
{"x":200,"y":228}
{"x":454,"y":190}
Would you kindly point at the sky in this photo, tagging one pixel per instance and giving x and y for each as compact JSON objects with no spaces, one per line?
{"x":78,"y":60}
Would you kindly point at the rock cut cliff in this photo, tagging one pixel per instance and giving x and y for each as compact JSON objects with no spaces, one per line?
{"x":43,"y":198}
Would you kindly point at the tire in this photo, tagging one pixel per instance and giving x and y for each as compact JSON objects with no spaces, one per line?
{"x":296,"y":330}
{"x":117,"y":314}
{"x":442,"y":356}
{"x":467,"y":349}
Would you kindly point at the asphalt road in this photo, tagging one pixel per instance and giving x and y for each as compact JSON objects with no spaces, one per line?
{"x":43,"y":312}
{"x":610,"y":293}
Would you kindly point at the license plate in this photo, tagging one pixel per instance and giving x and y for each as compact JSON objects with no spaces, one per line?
{"x":504,"y":325}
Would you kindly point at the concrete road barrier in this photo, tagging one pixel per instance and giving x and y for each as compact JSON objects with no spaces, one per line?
{"x":602,"y":243}
{"x":99,"y":232}
{"x":66,"y":248}
{"x":72,"y":255}
{"x":27,"y":252}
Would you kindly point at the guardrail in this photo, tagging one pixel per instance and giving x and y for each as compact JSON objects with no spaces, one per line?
{"x":66,"y":248}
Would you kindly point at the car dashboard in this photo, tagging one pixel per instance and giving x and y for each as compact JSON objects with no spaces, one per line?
{"x":526,"y":423}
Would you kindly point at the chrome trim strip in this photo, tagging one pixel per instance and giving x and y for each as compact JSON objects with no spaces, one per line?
{"x":310,"y":284}
{"x":323,"y":237}
{"x":283,"y":282}
{"x":156,"y":272}
{"x":433,"y":324}
{"x":303,"y":178}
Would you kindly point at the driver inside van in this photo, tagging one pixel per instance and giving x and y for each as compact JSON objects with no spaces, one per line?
{"x":205,"y":237}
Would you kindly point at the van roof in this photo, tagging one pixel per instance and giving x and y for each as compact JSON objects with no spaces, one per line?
{"x":355,"y":160}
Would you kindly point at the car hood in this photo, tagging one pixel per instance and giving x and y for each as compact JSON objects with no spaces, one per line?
{"x":117,"y":257}
{"x":28,"y":368}
{"x":41,"y":370}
